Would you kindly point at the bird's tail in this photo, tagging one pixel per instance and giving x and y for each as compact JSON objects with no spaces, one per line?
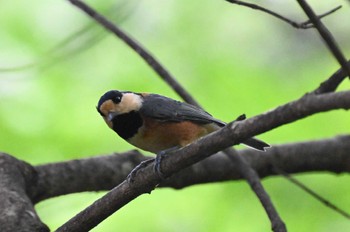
{"x":256,"y":144}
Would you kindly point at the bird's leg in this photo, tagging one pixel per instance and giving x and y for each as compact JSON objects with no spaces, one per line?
{"x":158,"y":160}
{"x":130,"y":177}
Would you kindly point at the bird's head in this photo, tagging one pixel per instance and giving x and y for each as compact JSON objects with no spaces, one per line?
{"x":114,"y":103}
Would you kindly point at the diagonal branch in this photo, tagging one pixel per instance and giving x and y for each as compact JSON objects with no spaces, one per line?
{"x":146,"y":180}
{"x":332,"y":83}
{"x":314,"y":194}
{"x":326,"y":36}
{"x":138,"y":48}
{"x":253,"y":180}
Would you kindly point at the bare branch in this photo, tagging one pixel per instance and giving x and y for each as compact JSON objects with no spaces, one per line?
{"x":146,"y":180}
{"x":17,"y":211}
{"x":253,"y":180}
{"x":304,"y":25}
{"x":91,"y":174}
{"x":46,"y":181}
{"x":308,"y":22}
{"x":313,"y":194}
{"x":326,"y":155}
{"x":326,"y":36}
{"x":138,"y":48}
{"x":332,"y":83}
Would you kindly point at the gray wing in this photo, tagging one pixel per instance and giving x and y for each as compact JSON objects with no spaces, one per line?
{"x":167,"y":109}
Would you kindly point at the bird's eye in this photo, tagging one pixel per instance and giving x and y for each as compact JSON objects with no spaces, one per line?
{"x":117,"y":99}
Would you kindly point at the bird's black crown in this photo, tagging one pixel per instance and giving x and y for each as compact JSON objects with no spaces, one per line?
{"x":113,"y":95}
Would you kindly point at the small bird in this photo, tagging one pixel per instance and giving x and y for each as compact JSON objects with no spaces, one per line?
{"x":157,"y":123}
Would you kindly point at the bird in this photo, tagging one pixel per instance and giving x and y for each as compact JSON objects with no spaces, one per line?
{"x":156,"y":123}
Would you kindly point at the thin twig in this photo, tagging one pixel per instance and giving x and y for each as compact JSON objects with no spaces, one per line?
{"x":333,"y":82}
{"x":308,"y":22}
{"x":138,"y":48}
{"x":317,"y":196}
{"x":253,"y":180}
{"x":303,"y":25}
{"x":326,"y":36}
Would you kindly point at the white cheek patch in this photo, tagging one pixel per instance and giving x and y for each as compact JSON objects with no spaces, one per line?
{"x":130,"y":102}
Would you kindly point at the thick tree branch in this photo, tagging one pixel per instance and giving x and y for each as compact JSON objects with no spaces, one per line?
{"x":146,"y":180}
{"x":50,"y":180}
{"x":329,"y":155}
{"x":91,"y":174}
{"x":17,"y":211}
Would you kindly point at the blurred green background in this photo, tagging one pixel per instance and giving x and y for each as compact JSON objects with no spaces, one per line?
{"x":232,"y":59}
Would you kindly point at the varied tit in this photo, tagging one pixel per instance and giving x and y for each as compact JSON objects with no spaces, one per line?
{"x":156,"y":123}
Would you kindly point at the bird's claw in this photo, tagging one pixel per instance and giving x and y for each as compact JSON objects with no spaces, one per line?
{"x":157,"y":163}
{"x":131,"y":176}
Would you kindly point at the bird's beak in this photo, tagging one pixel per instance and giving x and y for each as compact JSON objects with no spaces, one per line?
{"x":112,"y":115}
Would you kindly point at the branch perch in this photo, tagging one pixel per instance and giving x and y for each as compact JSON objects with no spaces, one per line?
{"x":146,"y":180}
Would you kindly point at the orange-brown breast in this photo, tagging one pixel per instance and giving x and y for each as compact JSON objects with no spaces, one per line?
{"x":156,"y":135}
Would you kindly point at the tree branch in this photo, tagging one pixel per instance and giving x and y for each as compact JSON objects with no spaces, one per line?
{"x":313,"y":194}
{"x":50,"y":180}
{"x":332,"y":83}
{"x":326,"y":36}
{"x":17,"y":211}
{"x":146,"y":180}
{"x":91,"y":174}
{"x":138,"y":48}
{"x":305,"y":25}
{"x":329,"y":155}
{"x":248,"y":173}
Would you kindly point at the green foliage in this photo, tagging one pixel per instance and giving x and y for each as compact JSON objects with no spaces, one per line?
{"x":232,"y":59}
